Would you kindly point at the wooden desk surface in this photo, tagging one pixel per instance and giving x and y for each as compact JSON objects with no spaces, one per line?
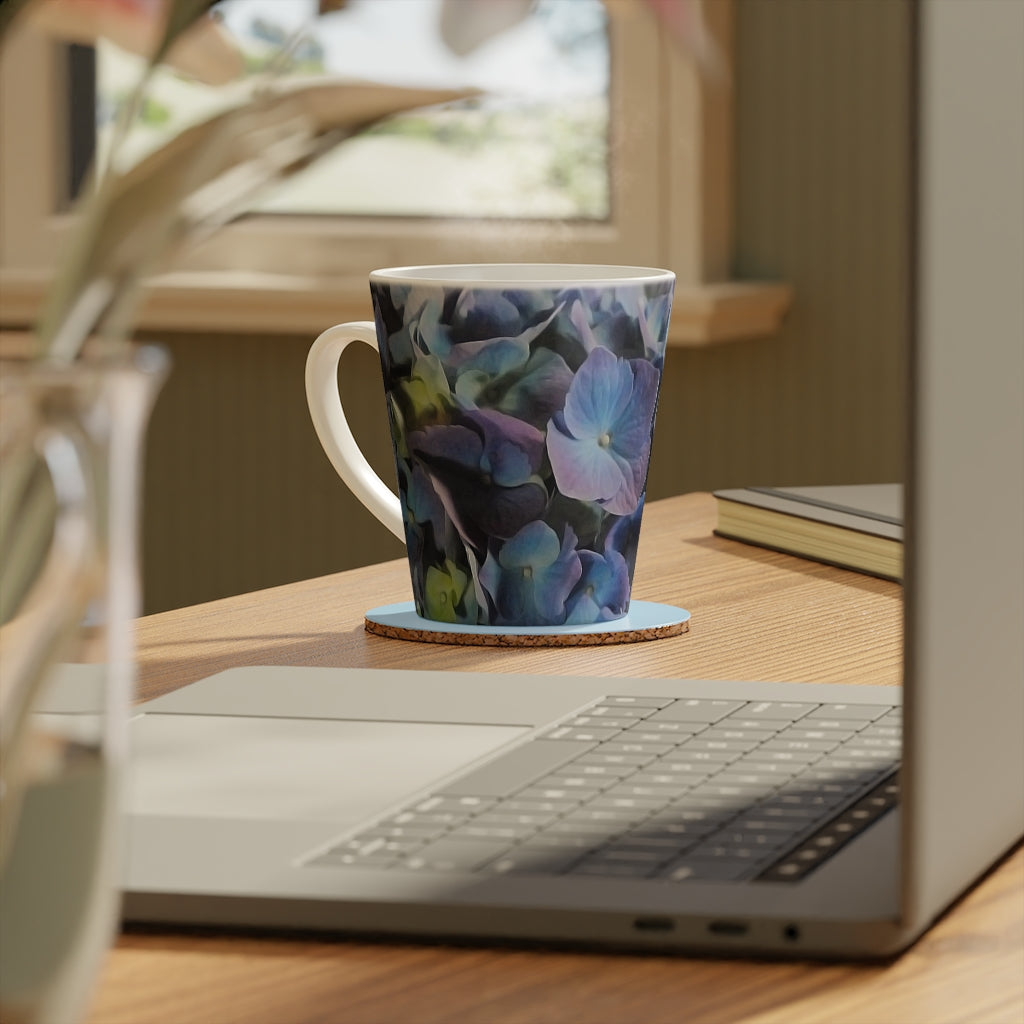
{"x":756,"y":614}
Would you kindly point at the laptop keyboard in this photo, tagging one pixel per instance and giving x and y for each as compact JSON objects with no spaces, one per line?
{"x":654,"y":787}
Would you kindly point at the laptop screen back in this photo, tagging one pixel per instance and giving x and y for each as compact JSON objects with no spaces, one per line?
{"x":964,"y":755}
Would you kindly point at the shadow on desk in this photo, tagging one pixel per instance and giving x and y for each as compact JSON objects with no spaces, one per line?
{"x":793,"y":564}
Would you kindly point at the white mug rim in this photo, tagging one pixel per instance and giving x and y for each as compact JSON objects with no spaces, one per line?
{"x":521,"y":275}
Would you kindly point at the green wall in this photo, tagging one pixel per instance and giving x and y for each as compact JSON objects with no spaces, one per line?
{"x":239,"y":495}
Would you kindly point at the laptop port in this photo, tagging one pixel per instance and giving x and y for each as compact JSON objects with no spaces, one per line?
{"x":654,"y":924}
{"x":791,"y":933}
{"x":731,"y":928}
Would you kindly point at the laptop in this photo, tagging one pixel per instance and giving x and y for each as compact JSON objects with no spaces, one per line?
{"x":695,"y":815}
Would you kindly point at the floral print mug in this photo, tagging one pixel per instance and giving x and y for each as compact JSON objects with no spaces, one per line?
{"x":522,"y":400}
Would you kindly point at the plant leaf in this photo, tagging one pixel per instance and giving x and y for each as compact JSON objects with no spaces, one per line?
{"x":207,"y":175}
{"x":181,"y":15}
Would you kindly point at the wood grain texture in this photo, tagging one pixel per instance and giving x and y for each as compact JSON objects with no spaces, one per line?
{"x":967,"y":970}
{"x":755,"y":614}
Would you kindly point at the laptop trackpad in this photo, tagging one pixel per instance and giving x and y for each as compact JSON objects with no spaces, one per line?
{"x":295,"y":769}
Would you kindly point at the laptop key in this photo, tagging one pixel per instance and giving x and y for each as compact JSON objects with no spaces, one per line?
{"x":710,"y":742}
{"x":684,"y":753}
{"x":777,"y":710}
{"x":821,"y":746}
{"x":763,"y":781}
{"x":833,"y":736}
{"x":426,"y":819}
{"x":619,"y":711}
{"x":553,"y":794}
{"x":611,"y":801}
{"x":612,"y":869}
{"x":646,"y":792}
{"x":687,"y":870}
{"x":681,"y":834}
{"x":755,"y":840}
{"x":534,"y":859}
{"x":591,"y":734}
{"x":604,"y":757}
{"x":712,"y":849}
{"x":845,"y":725}
{"x":637,"y":863}
{"x":723,"y":731}
{"x":584,"y":785}
{"x":650,"y":749}
{"x":458,"y":804}
{"x":639,"y":702}
{"x":399,"y":833}
{"x":696,"y":710}
{"x":455,"y":855}
{"x":378,"y":859}
{"x":678,"y":771}
{"x":607,"y":721}
{"x":857,"y":751}
{"x":587,"y":828}
{"x":665,"y":732}
{"x":780,"y":770}
{"x":891,"y":732}
{"x":866,"y":712}
{"x":516,"y":769}
{"x":579,"y":842}
{"x":613,"y":817}
{"x":510,"y":833}
{"x":531,"y":805}
{"x":656,"y":842}
{"x":508,"y":818}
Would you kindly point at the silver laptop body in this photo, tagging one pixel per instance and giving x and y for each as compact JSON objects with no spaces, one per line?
{"x":251,"y":789}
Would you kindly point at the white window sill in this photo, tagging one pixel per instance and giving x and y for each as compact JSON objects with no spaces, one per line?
{"x":279,"y":304}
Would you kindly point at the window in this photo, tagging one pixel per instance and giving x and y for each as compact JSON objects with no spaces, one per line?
{"x":534,"y":145}
{"x":666,"y":202}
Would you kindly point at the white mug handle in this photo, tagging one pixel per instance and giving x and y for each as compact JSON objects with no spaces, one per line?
{"x":333,"y":430}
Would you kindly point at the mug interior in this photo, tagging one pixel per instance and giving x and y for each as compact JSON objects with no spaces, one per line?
{"x":518,"y":275}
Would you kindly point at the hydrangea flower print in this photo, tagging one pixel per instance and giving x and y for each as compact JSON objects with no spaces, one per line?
{"x":522,"y":421}
{"x":532,"y":575}
{"x":484,"y":479}
{"x":603,"y":591}
{"x":600,"y":443}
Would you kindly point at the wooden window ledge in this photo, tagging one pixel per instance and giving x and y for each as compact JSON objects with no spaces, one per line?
{"x":245,"y":302}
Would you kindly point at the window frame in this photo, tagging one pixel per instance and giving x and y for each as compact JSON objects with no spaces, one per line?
{"x":671,"y":205}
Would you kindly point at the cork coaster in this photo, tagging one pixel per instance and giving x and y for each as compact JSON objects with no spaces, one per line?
{"x":644,"y":621}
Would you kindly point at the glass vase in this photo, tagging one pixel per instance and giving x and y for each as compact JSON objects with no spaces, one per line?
{"x":71,"y":452}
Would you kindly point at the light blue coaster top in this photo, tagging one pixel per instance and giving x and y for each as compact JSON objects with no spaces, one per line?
{"x":642,"y":617}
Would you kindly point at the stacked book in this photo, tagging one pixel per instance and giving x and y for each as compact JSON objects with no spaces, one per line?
{"x":857,"y":527}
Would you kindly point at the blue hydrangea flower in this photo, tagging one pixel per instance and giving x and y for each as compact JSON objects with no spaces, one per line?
{"x":624,"y":536}
{"x":532,"y":391}
{"x":600,"y":443}
{"x":531,"y":576}
{"x":602,"y":593}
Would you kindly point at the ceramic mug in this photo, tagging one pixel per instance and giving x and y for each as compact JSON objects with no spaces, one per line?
{"x":522,"y":401}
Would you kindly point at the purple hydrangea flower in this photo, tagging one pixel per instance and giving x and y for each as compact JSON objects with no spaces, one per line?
{"x":484,"y":471}
{"x":600,"y":442}
{"x":531,"y":576}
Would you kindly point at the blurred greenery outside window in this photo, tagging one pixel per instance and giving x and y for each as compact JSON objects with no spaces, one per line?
{"x":533,"y":145}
